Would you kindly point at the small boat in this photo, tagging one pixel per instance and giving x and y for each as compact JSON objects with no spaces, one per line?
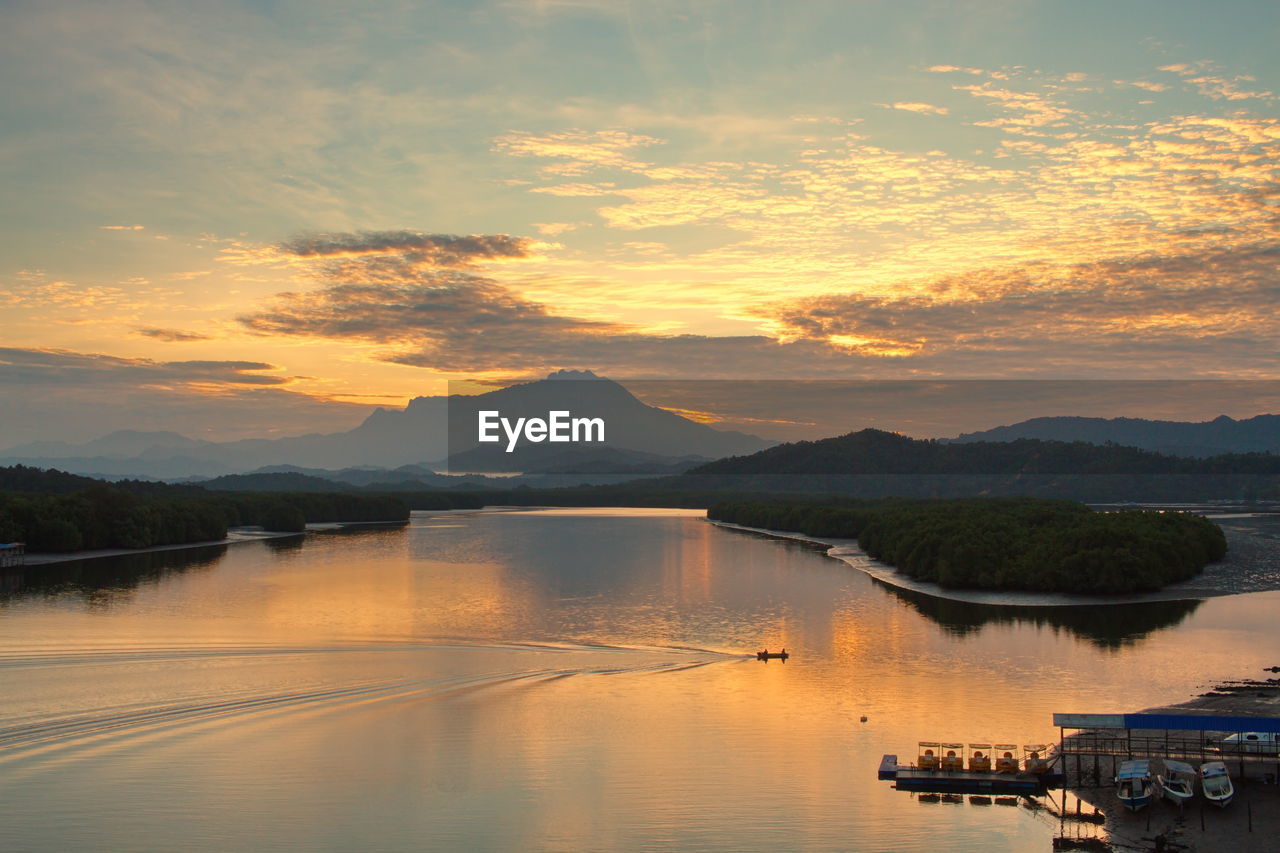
{"x":929,"y":755}
{"x":980,"y":759}
{"x":1006,"y":761}
{"x":953,"y":758}
{"x":1040,"y":758}
{"x":768,"y":655}
{"x":1133,"y":784}
{"x":1216,"y":783}
{"x":1177,"y":782}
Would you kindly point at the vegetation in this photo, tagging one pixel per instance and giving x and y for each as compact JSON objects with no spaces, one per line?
{"x":55,"y":511}
{"x":876,"y":452}
{"x":1005,"y":543}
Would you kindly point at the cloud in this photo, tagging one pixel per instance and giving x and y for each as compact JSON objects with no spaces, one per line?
{"x":1080,"y":317}
{"x":172,"y":335}
{"x":439,"y":250}
{"x":948,"y":69}
{"x":578,"y":151}
{"x":122,"y":227}
{"x":65,"y":367}
{"x":928,"y":109}
{"x":1133,"y":316}
{"x":206,"y":399}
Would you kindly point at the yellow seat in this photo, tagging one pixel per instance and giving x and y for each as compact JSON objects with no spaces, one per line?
{"x":928,"y":756}
{"x":1005,"y":761}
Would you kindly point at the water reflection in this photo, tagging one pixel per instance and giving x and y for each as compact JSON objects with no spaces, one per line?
{"x":1106,"y":625}
{"x":543,"y":681}
{"x":106,"y":579}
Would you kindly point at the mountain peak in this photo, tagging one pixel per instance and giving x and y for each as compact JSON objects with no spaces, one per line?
{"x":573,"y":374}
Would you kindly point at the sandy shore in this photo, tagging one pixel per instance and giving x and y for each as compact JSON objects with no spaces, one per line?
{"x":1252,"y":564}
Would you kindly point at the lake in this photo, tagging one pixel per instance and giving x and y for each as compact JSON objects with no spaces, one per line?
{"x":544,"y":680}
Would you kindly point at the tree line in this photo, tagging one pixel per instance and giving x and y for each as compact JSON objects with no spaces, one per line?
{"x":1005,"y":543}
{"x":103,"y":515}
{"x":876,"y":452}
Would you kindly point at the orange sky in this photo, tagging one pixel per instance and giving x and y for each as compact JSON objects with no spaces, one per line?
{"x":244,"y":221}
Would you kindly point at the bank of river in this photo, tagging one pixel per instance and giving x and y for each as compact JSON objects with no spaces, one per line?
{"x":235,"y":535}
{"x":1252,"y":564}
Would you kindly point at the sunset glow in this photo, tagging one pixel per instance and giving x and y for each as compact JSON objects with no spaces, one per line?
{"x":255,"y":220}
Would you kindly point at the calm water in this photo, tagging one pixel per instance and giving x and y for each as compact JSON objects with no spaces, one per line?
{"x":560,"y":680}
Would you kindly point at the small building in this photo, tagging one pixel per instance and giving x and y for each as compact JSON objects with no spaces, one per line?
{"x":12,"y":554}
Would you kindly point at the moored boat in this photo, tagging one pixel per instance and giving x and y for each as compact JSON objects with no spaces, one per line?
{"x":1133,"y":784}
{"x":1215,"y":781}
{"x":1177,"y":782}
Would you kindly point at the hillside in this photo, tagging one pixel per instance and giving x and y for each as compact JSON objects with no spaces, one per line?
{"x":875,"y":452}
{"x":1221,"y":435}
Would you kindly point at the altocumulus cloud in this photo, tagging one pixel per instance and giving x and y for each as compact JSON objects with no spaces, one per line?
{"x":439,"y":250}
{"x":450,"y":319}
{"x":1137,"y":317}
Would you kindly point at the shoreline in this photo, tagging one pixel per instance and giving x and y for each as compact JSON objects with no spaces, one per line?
{"x":1194,"y":589}
{"x":235,"y":535}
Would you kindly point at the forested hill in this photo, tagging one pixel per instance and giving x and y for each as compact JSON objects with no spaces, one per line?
{"x":876,"y":452}
{"x":1004,"y":543}
{"x":56,"y":511}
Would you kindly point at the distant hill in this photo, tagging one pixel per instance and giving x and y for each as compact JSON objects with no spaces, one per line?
{"x":274,"y":482}
{"x":875,"y":452}
{"x":122,"y":444}
{"x":417,"y":434}
{"x":1221,"y":435}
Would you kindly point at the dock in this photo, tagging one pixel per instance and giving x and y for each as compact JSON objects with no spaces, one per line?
{"x":12,"y":554}
{"x":1093,"y":745}
{"x":910,"y":777}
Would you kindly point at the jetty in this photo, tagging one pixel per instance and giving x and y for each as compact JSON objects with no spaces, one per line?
{"x":1093,"y":744}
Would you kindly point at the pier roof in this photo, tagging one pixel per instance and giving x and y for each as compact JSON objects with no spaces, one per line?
{"x":1168,"y":722}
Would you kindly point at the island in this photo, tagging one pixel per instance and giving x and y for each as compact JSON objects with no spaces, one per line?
{"x":1028,"y":544}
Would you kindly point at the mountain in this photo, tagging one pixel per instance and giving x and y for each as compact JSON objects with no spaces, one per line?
{"x":1221,"y":435}
{"x":122,"y":444}
{"x":429,"y":428}
{"x":875,"y":452}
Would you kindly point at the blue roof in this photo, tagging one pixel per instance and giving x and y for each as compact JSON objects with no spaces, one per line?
{"x":1168,"y":722}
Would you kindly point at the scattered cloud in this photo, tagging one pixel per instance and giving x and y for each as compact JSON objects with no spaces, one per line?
{"x":949,"y":69}
{"x":913,"y":107}
{"x":54,"y":367}
{"x":205,"y":399}
{"x":438,"y":250}
{"x":122,"y":227}
{"x":172,"y":335}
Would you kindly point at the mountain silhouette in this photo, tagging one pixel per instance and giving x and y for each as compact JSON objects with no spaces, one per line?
{"x":1221,"y":435}
{"x":427,"y":430}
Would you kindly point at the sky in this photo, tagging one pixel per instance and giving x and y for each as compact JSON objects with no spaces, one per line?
{"x":245,"y":219}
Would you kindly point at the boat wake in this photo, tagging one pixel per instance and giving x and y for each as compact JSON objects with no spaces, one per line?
{"x":39,"y":731}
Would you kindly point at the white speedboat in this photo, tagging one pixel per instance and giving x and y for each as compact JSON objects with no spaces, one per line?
{"x":1216,"y":783}
{"x":1133,"y":784}
{"x":1177,"y":782}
